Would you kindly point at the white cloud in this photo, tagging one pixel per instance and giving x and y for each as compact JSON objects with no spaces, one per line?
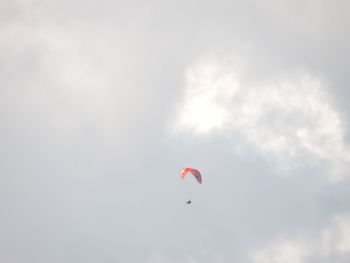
{"x":283,"y":252}
{"x":210,"y":88}
{"x":285,"y":116}
{"x":331,"y":241}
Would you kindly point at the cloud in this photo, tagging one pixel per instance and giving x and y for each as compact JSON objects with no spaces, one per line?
{"x":332,"y":242}
{"x":284,"y":116}
{"x":56,"y":59}
{"x":70,"y":82}
{"x":187,"y":258}
{"x":285,"y":251}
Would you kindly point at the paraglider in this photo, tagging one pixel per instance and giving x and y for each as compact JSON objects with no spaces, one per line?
{"x":195,"y":173}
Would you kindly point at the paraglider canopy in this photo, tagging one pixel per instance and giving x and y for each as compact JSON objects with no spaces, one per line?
{"x":194,"y":172}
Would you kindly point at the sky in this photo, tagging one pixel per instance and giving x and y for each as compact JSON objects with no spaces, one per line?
{"x":103,"y":102}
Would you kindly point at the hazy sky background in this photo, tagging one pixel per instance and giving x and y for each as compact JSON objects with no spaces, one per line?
{"x":103,"y":102}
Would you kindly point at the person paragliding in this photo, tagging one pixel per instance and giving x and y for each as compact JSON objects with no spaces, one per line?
{"x":196,"y":175}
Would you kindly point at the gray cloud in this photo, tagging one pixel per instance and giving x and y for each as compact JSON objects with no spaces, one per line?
{"x":88,"y":169}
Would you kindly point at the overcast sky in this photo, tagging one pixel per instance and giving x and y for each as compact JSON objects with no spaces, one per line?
{"x":103,"y":102}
